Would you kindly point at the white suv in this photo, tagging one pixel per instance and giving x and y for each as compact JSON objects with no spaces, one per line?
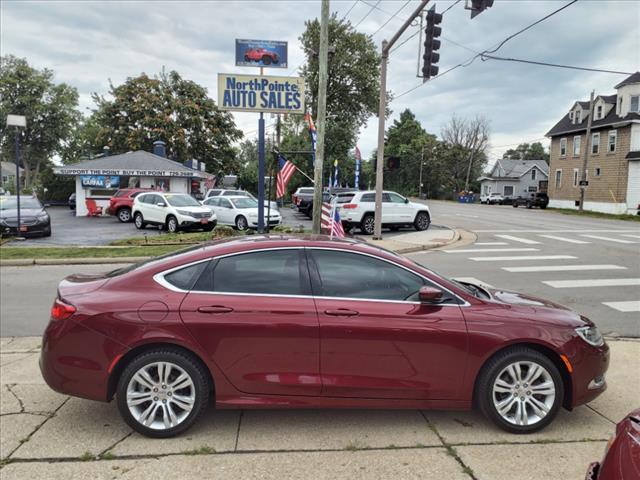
{"x":239,"y":212}
{"x":357,"y":209}
{"x":175,"y":211}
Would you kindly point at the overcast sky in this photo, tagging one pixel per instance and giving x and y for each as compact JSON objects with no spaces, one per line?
{"x":88,"y":43}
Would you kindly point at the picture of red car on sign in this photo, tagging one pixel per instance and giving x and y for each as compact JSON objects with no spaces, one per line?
{"x":260,"y":55}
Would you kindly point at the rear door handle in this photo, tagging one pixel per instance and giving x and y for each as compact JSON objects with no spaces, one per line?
{"x":342,"y":312}
{"x":215,"y":309}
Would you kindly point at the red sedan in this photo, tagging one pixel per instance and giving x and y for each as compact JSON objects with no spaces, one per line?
{"x":292,"y":322}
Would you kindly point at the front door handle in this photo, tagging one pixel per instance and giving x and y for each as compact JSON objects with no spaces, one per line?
{"x":342,"y":312}
{"x":215,"y":309}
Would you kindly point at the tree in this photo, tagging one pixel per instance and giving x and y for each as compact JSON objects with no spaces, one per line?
{"x":172,"y":109}
{"x":525,"y":151}
{"x":50,"y":110}
{"x":473,"y":137}
{"x":82,"y":141}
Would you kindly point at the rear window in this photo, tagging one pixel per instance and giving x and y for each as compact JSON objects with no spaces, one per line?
{"x":344,"y":198}
{"x":119,"y":193}
{"x":305,"y":190}
{"x":185,"y":278}
{"x":151,"y":261}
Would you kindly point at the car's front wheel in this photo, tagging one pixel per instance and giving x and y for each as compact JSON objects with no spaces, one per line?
{"x":138,"y":220}
{"x":422,"y":221}
{"x":520,"y":390}
{"x":172,"y":224}
{"x":162,"y":392}
{"x":124,"y":215}
{"x":266,"y":60}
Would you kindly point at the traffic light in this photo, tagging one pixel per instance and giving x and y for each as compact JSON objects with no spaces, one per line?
{"x":393,"y":162}
{"x":431,"y":44}
{"x":479,"y":6}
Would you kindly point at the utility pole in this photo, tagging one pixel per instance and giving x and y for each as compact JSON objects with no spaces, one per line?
{"x":583,"y":178}
{"x":386,"y":47}
{"x":322,"y":114}
{"x":421,"y":164}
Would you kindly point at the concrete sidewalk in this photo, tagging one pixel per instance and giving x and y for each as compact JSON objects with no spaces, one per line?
{"x":407,"y":242}
{"x":47,"y":435}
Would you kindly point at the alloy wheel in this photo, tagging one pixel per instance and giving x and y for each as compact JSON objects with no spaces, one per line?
{"x":124,"y":215}
{"x":160,"y":395}
{"x":523,"y":393}
{"x":172,"y":225}
{"x":369,"y":225}
{"x":241,"y":223}
{"x":422,"y":221}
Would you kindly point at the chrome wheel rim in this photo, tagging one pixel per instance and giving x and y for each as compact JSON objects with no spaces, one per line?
{"x":241,"y":223}
{"x":172,"y":225}
{"x":124,"y":215}
{"x":523,"y":393}
{"x":423,"y":222}
{"x":160,"y":395}
{"x":138,"y":221}
{"x":369,"y":224}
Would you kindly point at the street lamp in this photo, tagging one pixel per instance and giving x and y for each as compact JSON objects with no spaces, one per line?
{"x":18,"y":121}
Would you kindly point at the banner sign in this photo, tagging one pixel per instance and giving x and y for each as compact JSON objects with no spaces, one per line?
{"x":132,"y":172}
{"x":261,"y":53}
{"x":260,"y":93}
{"x":99,"y":181}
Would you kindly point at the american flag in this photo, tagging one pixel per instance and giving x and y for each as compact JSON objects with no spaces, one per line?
{"x":285,"y":170}
{"x":333,"y":227}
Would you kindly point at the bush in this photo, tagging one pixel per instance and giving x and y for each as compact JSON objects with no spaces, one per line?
{"x":223,"y":231}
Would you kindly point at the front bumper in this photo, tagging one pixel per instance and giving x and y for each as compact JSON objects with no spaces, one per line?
{"x":274,"y":222}
{"x":198,"y":223}
{"x":590,"y":365}
{"x":38,"y":229}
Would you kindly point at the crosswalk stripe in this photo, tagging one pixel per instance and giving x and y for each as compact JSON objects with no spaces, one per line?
{"x":564,"y":239}
{"x":596,"y":282}
{"x":609,"y":239}
{"x":473,"y":281}
{"x":630,"y":306}
{"x":491,"y":243}
{"x":630,"y":235}
{"x":562,"y":268}
{"x":482,"y":250}
{"x":518,"y":239}
{"x":522,"y":257}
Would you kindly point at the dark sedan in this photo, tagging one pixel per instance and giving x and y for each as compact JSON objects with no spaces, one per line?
{"x":34,"y":219}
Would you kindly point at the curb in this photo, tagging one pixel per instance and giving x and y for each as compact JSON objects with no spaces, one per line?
{"x":414,"y":247}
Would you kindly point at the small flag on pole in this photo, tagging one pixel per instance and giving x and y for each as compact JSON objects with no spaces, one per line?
{"x":335,"y":173}
{"x":285,"y":170}
{"x":313,"y":134}
{"x":358,"y":161}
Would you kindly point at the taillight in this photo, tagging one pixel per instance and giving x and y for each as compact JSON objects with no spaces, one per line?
{"x":61,"y":310}
{"x":349,"y":205}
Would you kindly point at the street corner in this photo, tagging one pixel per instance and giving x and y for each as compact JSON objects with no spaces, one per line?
{"x":333,"y":430}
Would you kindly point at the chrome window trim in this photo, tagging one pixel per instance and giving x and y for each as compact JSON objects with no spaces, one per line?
{"x":159,"y":278}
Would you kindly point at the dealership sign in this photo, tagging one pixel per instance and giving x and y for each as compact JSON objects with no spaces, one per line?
{"x":261,"y":53}
{"x":260,"y":93}
{"x":133,"y":172}
{"x":100,"y":181}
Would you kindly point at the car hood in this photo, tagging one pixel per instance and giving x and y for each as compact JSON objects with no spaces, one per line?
{"x":27,"y":212}
{"x":194,"y":209}
{"x":254,"y":211}
{"x":419,"y":205}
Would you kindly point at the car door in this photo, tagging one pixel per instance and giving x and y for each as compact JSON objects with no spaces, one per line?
{"x":213,"y":204}
{"x":401,"y":210}
{"x":254,"y":315}
{"x":377,"y":340}
{"x":226,"y":211}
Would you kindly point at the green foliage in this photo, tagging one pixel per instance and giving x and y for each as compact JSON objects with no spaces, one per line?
{"x":82,"y":142}
{"x":50,"y":110}
{"x":526,"y":151}
{"x":172,"y":109}
{"x":58,"y":187}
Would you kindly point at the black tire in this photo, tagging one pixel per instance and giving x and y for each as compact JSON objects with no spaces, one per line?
{"x":209,"y":228}
{"x":138,"y":220}
{"x":515,"y":204}
{"x":172,"y":224}
{"x":241,"y":223}
{"x":367,"y":225}
{"x":124,"y":214}
{"x":487,"y":378}
{"x":529,"y":205}
{"x":186,"y":362}
{"x":544,"y":206}
{"x":422,"y":221}
{"x":266,"y":59}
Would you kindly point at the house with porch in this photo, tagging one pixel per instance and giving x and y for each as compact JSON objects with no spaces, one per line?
{"x":515,"y":178}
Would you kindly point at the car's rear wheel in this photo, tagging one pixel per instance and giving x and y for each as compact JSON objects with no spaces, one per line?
{"x":515,"y":204}
{"x":422,"y":221}
{"x":241,"y":223}
{"x":162,"y":392}
{"x":172,"y":224}
{"x":520,"y":390}
{"x":529,"y":205}
{"x":138,"y":220}
{"x":266,"y":60}
{"x":368,"y":224}
{"x":246,"y":58}
{"x":124,"y":215}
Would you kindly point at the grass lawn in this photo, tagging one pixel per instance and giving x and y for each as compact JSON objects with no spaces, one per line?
{"x":13,"y":253}
{"x":585,"y":213}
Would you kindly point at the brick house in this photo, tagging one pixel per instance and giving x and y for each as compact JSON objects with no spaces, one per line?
{"x":613,"y":164}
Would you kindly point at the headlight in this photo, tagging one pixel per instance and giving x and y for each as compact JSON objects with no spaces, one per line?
{"x":3,"y":221}
{"x":591,"y":335}
{"x":185,"y":213}
{"x":43,"y":217}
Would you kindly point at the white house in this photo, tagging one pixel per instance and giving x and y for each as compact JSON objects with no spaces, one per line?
{"x":515,"y":178}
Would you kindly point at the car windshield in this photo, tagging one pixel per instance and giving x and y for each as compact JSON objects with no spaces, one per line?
{"x":25,"y":202}
{"x":244,"y":202}
{"x":182,"y":201}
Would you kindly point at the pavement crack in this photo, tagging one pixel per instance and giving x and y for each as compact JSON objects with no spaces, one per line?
{"x":115,"y":444}
{"x":602,"y":415}
{"x":9,"y":387}
{"x":235,"y":448}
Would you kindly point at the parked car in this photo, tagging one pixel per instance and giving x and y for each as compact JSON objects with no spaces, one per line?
{"x":494,"y":198}
{"x":261,"y":54}
{"x":219,"y":192}
{"x":34,"y":219}
{"x":121,"y":203}
{"x":269,"y":322}
{"x":300,"y":193}
{"x":240,"y":212}
{"x":175,"y":211}
{"x":537,"y":199}
{"x":622,"y":456}
{"x":357,"y":209}
{"x":72,"y":201}
{"x":305,"y":204}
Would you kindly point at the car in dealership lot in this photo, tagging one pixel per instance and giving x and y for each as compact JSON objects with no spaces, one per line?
{"x":34,"y":219}
{"x":357,"y":210}
{"x":494,"y":198}
{"x":622,"y":455}
{"x":310,"y":322}
{"x":240,"y":212}
{"x":222,"y":192}
{"x":301,"y":193}
{"x":537,"y":199}
{"x":121,"y":203}
{"x":260,"y":55}
{"x":173,"y":211}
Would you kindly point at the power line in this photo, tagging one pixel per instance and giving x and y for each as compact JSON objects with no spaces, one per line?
{"x":485,"y":57}
{"x":349,"y":11}
{"x":368,"y":13}
{"x":394,"y":15}
{"x":450,"y":7}
{"x":391,"y":17}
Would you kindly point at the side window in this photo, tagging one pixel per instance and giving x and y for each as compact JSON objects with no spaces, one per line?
{"x":224,"y":203}
{"x":395,"y":198}
{"x":267,"y":272}
{"x":386,"y":198}
{"x":214,"y":202}
{"x":368,"y":197}
{"x":146,"y":199}
{"x":350,"y":275}
{"x":186,"y":277}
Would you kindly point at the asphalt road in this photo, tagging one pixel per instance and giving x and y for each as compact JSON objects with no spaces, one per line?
{"x":605,"y":289}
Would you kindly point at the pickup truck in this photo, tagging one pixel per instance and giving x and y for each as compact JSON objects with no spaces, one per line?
{"x":533,"y":200}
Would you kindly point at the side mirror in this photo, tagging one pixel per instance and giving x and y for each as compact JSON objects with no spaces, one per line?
{"x":430,"y":295}
{"x":406,"y":200}
{"x":161,"y":204}
{"x":46,"y":205}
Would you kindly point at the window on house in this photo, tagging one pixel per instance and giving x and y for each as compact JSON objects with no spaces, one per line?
{"x":533,"y":189}
{"x":533,"y":174}
{"x":578,"y":116}
{"x":595,"y":143}
{"x":576,"y":145}
{"x":599,"y":112}
{"x":558,"y":179}
{"x":597,"y":171}
{"x":613,"y":139}
{"x":635,"y":101}
{"x":508,"y":190}
{"x":570,"y":115}
{"x":563,"y":147}
{"x":575,"y":177}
